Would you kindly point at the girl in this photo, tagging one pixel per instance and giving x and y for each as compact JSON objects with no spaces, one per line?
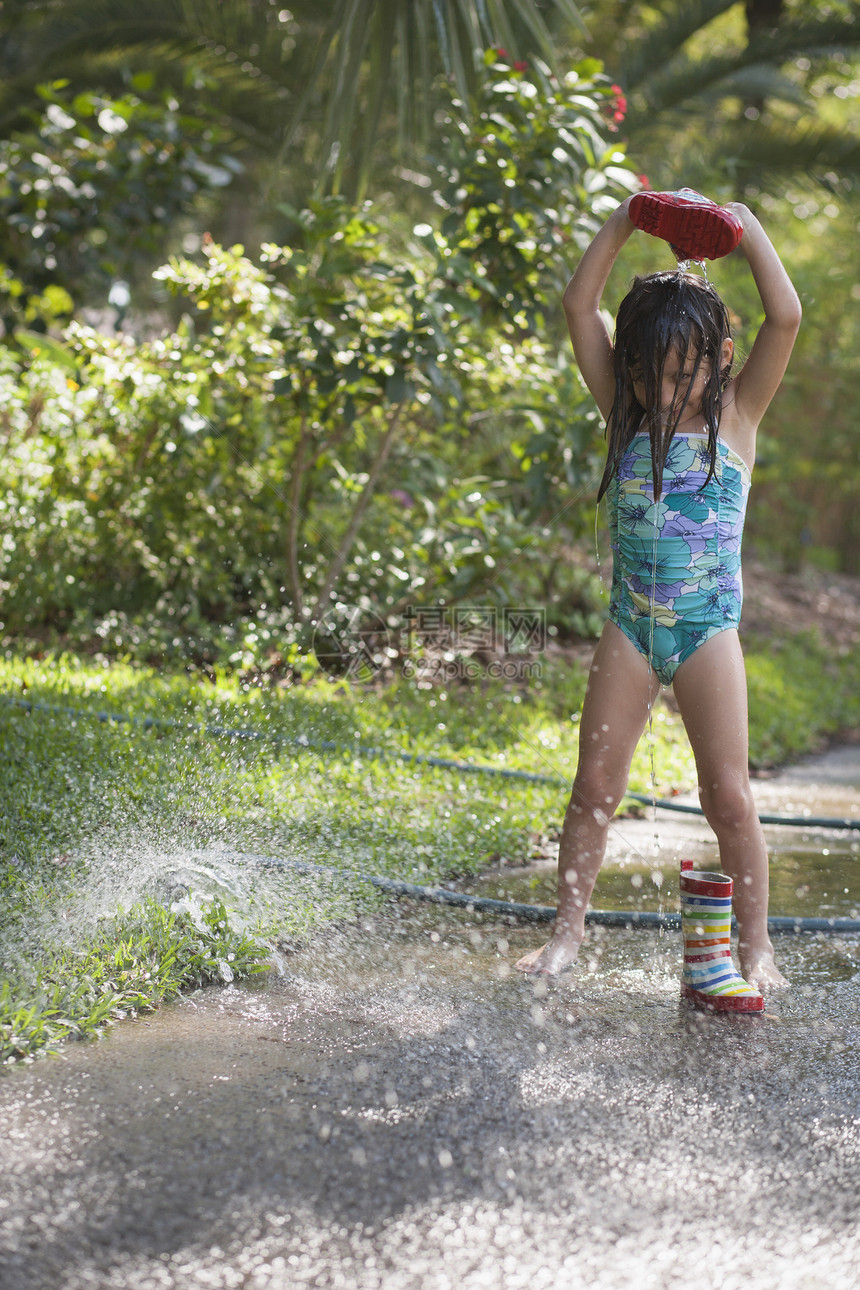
{"x":681,"y":444}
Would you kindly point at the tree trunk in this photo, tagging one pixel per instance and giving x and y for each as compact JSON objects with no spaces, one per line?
{"x":762,"y":16}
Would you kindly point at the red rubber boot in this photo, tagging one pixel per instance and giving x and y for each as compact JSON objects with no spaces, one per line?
{"x":695,"y":227}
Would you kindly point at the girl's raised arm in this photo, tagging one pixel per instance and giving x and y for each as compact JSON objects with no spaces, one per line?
{"x":765,"y":367}
{"x":592,"y":343}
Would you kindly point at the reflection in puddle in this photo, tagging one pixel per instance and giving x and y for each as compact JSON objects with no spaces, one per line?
{"x":806,"y":882}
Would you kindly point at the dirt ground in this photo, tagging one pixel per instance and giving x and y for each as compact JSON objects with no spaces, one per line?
{"x":779,"y":603}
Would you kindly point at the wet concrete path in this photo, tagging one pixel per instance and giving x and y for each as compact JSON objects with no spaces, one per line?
{"x":400,"y":1110}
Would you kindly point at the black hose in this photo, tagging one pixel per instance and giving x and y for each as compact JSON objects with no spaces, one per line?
{"x":441,"y":895}
{"x":790,"y":821}
{"x":539,"y":913}
{"x":422,"y":759}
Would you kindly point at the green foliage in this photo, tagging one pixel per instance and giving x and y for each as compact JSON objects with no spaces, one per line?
{"x":806,"y":500}
{"x":527,"y":172}
{"x":314,"y":411}
{"x":729,"y":98}
{"x":316,"y":94}
{"x":405,"y":43}
{"x":800,"y":692}
{"x":88,"y":191}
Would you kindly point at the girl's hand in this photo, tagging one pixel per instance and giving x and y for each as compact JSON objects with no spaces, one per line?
{"x":743,"y":213}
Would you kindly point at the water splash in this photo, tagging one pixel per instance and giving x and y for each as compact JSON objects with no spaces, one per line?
{"x":597,"y":547}
{"x":651,"y":698}
{"x":686,"y":266}
{"x":348,"y":1119}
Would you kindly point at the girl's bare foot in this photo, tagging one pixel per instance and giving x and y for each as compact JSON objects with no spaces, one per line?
{"x":759,"y":969}
{"x":553,"y":958}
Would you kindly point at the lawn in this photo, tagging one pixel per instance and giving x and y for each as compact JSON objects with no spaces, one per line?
{"x":134,"y":801}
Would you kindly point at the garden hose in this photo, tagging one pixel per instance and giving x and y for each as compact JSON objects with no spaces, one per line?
{"x":520,"y":912}
{"x":516,"y":910}
{"x":421,"y":759}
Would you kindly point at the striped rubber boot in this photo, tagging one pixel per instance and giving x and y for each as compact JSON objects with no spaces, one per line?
{"x":710,"y":980}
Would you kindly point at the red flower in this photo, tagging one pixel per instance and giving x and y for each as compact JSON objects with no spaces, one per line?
{"x":521,"y":67}
{"x":501,"y":53}
{"x":644,"y":181}
{"x":617,"y":109}
{"x":620,"y":104}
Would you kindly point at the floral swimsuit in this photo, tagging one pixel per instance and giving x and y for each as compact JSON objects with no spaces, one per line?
{"x":677,"y":564}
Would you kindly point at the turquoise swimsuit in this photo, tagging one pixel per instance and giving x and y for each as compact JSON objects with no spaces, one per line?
{"x":677,"y":564}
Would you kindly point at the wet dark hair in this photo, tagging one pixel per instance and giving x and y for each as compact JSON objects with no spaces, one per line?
{"x":662,"y":312}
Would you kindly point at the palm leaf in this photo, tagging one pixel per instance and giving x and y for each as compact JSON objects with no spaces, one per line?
{"x":359,"y":56}
{"x":822,"y":156}
{"x":702,"y":88}
{"x":671,"y":77}
{"x":658,"y":44}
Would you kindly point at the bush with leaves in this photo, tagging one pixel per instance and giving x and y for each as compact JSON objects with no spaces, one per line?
{"x":89,"y":190}
{"x":528,"y":170}
{"x":337,"y":422}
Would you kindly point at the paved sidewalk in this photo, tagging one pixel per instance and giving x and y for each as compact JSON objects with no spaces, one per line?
{"x":400,"y":1111}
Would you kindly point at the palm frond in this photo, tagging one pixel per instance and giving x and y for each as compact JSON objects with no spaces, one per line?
{"x":826,"y":157}
{"x":355,"y":59}
{"x":676,"y":78}
{"x":662,"y":42}
{"x":377,"y":50}
{"x":701,"y":88}
{"x":501,"y":15}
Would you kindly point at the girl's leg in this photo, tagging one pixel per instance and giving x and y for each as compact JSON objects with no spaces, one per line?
{"x":711,"y":691}
{"x":620,"y":689}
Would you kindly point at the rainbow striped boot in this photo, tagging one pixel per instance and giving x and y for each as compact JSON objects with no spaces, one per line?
{"x":710,"y":980}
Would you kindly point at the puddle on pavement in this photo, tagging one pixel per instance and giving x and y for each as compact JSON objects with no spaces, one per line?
{"x":814,"y":872}
{"x":414,"y":971}
{"x":823,"y":881}
{"x":419,"y":970}
{"x":396,"y":1109}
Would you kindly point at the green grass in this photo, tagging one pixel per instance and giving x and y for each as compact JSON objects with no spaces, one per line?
{"x":801,"y":693}
{"x":182,"y":784}
{"x":135,"y":961}
{"x":122,"y":876}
